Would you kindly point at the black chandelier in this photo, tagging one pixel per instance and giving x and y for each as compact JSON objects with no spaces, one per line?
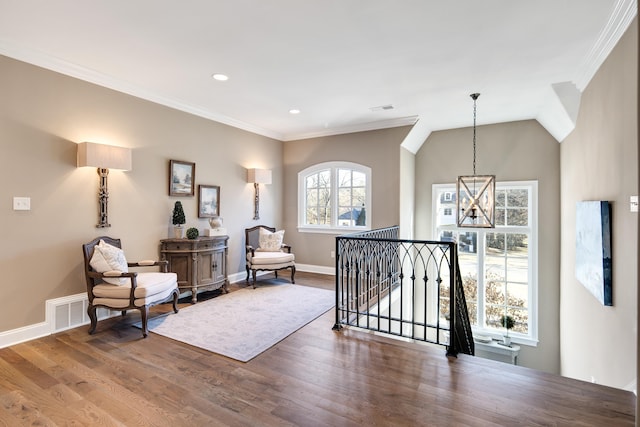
{"x":475,"y":194}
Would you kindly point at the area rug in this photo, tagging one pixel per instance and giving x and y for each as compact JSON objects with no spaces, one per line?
{"x":244,"y":323}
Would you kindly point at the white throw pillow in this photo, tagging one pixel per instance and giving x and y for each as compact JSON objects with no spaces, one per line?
{"x":107,"y":257}
{"x":270,"y":242}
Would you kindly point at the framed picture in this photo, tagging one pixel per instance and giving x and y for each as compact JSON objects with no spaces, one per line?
{"x":182,"y":176}
{"x":593,"y":249}
{"x":208,"y":201}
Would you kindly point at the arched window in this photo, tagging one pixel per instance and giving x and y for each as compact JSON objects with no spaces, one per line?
{"x":334,"y":197}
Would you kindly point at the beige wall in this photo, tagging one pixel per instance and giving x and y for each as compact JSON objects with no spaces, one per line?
{"x":512,"y":151}
{"x":600,"y":162}
{"x":42,"y":117}
{"x":407,"y":192}
{"x":379,"y":150}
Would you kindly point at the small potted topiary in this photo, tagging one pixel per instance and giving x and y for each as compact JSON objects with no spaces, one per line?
{"x":178,"y":220}
{"x":192,"y":233}
{"x":508,"y":322}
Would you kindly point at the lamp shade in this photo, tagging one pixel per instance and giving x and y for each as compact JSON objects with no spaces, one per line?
{"x":104,"y":156}
{"x":259,"y":176}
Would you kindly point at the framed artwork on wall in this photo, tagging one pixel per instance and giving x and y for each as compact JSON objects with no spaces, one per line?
{"x":593,"y":249}
{"x":208,"y":201}
{"x":182,"y":176}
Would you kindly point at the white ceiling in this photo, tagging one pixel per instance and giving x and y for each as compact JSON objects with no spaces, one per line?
{"x":332,"y":59}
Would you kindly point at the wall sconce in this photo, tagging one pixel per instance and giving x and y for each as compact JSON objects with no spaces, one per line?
{"x":103,"y":157}
{"x":257,"y":177}
{"x":475,"y":195}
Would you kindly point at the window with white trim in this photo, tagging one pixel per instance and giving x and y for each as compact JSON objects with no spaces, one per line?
{"x":334,"y":197}
{"x":498,"y":265}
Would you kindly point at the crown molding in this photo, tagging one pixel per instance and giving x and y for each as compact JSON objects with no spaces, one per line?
{"x":361,"y":127}
{"x":61,"y":66}
{"x":622,"y":14}
{"x":58,"y":65}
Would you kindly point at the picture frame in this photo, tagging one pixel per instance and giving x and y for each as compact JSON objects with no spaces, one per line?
{"x":182,"y":177}
{"x":593,"y":263}
{"x":208,"y":201}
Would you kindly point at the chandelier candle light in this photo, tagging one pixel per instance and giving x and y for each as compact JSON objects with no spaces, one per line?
{"x":475,"y":194}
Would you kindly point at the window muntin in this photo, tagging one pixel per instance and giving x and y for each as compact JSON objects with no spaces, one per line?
{"x":498,"y":266}
{"x":334,"y":196}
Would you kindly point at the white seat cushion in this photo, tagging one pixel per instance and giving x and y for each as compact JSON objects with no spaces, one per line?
{"x":149,"y":284}
{"x":267,"y":258}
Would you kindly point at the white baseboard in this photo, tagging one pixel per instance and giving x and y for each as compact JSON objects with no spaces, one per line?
{"x":320,"y":269}
{"x":60,"y":314}
{"x":71,"y":311}
{"x":632,"y":386}
{"x":26,"y":333}
{"x":241,"y":276}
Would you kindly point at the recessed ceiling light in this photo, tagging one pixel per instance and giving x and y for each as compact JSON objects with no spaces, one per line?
{"x":294,"y":111}
{"x":220,"y":77}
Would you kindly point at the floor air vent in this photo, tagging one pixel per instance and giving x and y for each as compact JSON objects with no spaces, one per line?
{"x":71,"y":311}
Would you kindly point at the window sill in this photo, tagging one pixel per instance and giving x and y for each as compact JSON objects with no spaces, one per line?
{"x":332,"y":230}
{"x":515,"y":339}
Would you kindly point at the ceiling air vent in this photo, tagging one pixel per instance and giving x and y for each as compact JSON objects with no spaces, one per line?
{"x":382,"y":108}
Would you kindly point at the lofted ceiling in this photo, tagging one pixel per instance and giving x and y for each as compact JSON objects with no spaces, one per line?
{"x":347,"y":65}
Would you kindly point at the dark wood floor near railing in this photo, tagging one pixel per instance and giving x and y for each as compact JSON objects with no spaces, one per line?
{"x":315,"y":377}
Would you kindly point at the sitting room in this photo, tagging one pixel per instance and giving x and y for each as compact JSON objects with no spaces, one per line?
{"x":311,"y":121}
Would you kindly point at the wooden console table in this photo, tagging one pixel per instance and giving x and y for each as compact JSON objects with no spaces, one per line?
{"x":201,"y":264}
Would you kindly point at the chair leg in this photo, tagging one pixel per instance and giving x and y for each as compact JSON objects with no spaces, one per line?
{"x":248,"y":270}
{"x":144,"y":314}
{"x":293,"y":273}
{"x":176,"y":295}
{"x":91,"y":311}
{"x":254,"y":278}
{"x":276,"y":273}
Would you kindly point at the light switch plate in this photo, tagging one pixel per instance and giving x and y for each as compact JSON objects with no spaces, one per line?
{"x":633,"y":201}
{"x":22,"y":203}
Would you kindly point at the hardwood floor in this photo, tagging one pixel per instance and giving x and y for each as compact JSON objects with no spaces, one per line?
{"x":315,"y":377}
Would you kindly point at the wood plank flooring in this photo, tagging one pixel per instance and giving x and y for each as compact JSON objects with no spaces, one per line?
{"x":315,"y":377}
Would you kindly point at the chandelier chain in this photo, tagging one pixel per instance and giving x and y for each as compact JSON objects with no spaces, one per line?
{"x":475,"y":97}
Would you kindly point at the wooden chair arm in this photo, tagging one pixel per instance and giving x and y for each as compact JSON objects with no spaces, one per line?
{"x":147,"y":263}
{"x":164,"y":264}
{"x":286,"y":247}
{"x":250,"y":249}
{"x":132,"y":275}
{"x":97,"y":275}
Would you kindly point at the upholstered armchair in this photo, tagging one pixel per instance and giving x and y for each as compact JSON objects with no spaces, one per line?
{"x":267,"y":252}
{"x":111,"y":285}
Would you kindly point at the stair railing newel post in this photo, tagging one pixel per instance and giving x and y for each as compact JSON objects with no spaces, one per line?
{"x":339,"y":279}
{"x":452,"y":349}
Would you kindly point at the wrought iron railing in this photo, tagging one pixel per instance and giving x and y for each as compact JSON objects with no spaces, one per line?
{"x":407,"y":288}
